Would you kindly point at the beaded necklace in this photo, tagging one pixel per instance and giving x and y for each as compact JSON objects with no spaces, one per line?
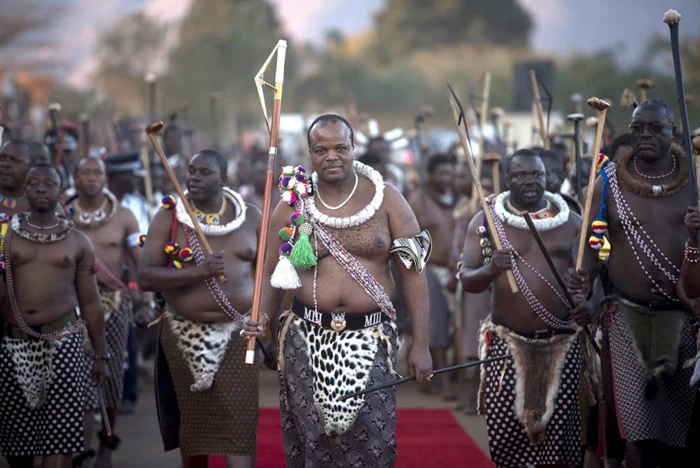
{"x":636,"y":234}
{"x":210,"y":219}
{"x":10,"y":202}
{"x":14,"y":304}
{"x":546,"y":316}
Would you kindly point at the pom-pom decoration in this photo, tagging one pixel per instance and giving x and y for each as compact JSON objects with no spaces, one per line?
{"x":185,"y":255}
{"x":3,"y":218}
{"x":297,"y":218}
{"x":481,"y":230}
{"x":141,"y":240}
{"x":172,"y":247}
{"x":168,"y":202}
{"x":602,"y":161}
{"x":599,"y":226}
{"x":294,"y":184}
{"x":175,"y":265}
{"x":286,"y":249}
{"x":596,"y":243}
{"x":286,"y":233}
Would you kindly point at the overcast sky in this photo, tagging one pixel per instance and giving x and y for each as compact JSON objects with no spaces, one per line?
{"x":560,"y":25}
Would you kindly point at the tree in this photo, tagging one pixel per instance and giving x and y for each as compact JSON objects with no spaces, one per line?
{"x":21,"y":24}
{"x":126,"y":53}
{"x":223,"y":43}
{"x":409,"y":25}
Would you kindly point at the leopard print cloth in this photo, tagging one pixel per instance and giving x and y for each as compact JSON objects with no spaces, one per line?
{"x":203,"y":347}
{"x":320,"y":366}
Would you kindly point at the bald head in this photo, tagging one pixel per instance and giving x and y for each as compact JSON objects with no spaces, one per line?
{"x":656,"y":106}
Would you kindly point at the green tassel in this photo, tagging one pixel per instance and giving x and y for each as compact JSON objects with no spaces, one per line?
{"x":303,"y":256}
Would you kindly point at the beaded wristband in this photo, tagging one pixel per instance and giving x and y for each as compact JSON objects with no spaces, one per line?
{"x":691,"y":251}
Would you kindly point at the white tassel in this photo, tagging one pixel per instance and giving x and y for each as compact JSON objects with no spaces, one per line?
{"x":285,"y":275}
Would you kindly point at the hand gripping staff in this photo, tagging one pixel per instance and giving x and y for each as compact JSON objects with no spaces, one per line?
{"x":274,"y":128}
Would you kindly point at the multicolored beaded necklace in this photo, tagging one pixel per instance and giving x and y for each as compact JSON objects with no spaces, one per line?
{"x":9,"y":202}
{"x":210,"y":219}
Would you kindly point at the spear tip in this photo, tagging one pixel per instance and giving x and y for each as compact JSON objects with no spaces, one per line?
{"x":672,"y":17}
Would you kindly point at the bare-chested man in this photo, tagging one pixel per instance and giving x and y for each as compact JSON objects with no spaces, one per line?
{"x":49,"y":272}
{"x":207,"y":395}
{"x":434,"y":207}
{"x":340,"y":335}
{"x":15,"y":161}
{"x":651,"y":331}
{"x":114,"y":233}
{"x":532,"y":402}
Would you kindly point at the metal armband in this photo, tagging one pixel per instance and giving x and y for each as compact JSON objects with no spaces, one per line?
{"x":413,"y":251}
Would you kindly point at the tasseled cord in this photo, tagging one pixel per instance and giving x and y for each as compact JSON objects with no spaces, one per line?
{"x":285,"y":275}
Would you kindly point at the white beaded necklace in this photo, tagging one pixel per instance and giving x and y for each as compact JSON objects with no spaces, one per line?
{"x":363,"y":215}
{"x":546,"y":224}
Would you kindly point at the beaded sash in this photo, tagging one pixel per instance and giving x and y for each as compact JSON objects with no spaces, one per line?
{"x":546,"y":316}
{"x":356,"y":270}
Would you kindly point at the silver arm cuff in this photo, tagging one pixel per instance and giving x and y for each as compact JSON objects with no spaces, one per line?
{"x":413,"y":251}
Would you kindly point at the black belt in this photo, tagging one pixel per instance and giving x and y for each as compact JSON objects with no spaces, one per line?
{"x":539,"y":334}
{"x":12,"y":331}
{"x":338,"y":321}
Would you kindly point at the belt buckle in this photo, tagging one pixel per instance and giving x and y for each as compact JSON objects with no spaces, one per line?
{"x":338,"y":322}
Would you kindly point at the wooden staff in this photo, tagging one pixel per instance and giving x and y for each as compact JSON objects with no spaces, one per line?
{"x":557,"y":276}
{"x":538,"y":107}
{"x":628,"y":100}
{"x":214,"y":119}
{"x":602,"y":108}
{"x":673,"y":18}
{"x":411,"y":378}
{"x":151,"y":131}
{"x":494,"y":159}
{"x":461,"y":124}
{"x":85,"y":134}
{"x":274,"y":128}
{"x":576,"y":119}
{"x":482,"y":138}
{"x":644,"y":85}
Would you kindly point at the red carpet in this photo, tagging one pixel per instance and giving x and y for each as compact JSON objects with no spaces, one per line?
{"x":426,"y":438}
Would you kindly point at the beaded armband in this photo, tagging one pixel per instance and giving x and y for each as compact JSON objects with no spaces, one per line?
{"x":691,"y":254}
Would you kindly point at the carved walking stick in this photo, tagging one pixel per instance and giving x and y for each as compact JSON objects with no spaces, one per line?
{"x":644,"y":85}
{"x":628,"y":99}
{"x":151,"y":131}
{"x":85,"y":134}
{"x":461,"y":124}
{"x":673,"y":18}
{"x":602,"y":108}
{"x":576,"y":119}
{"x":274,"y":127}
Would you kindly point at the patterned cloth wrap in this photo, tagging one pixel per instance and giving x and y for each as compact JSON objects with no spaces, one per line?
{"x":317,"y":366}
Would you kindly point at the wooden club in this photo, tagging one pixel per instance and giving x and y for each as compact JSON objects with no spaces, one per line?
{"x":538,"y":108}
{"x":602,"y":109}
{"x":644,"y":85}
{"x":152,"y":130}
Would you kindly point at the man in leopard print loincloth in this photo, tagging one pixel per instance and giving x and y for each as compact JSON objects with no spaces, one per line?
{"x":339,"y":336}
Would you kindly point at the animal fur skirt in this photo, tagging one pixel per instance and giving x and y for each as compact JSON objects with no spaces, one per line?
{"x":531,"y":402}
{"x":318,"y":365}
{"x":42,"y":390}
{"x":207,"y":397}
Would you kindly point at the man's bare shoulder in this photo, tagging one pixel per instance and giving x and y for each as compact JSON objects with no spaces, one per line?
{"x":80,"y":239}
{"x":395,"y":199}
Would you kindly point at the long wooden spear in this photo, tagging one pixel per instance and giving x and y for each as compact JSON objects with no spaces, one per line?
{"x":274,"y":128}
{"x":602,"y":108}
{"x":461,"y":124}
{"x":673,"y":18}
{"x":483,"y":118}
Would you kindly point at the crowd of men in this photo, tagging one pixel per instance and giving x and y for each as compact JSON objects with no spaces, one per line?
{"x":357,"y":261}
